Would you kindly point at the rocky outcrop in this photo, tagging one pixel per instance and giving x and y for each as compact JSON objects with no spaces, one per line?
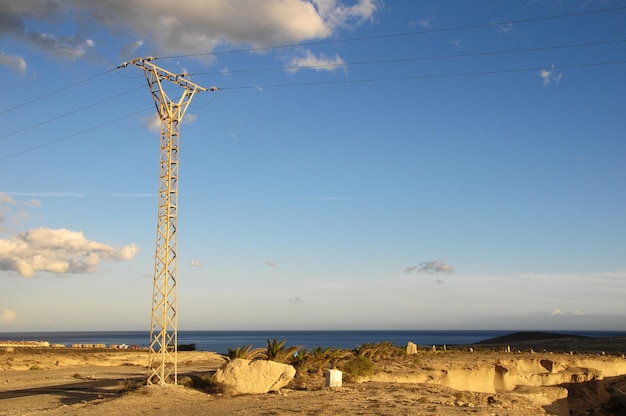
{"x":542,"y":379}
{"x":254,"y":377}
{"x":509,"y":374}
{"x":552,"y":399}
{"x":552,"y":372}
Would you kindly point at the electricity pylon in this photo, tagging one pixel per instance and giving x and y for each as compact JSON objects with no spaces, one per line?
{"x":163,"y":366}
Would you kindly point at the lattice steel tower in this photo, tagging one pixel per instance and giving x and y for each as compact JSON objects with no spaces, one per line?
{"x":163,"y":366}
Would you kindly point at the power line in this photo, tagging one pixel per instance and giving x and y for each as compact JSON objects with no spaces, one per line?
{"x":409,"y":77}
{"x":411,"y":59}
{"x":323,"y":42}
{"x":78,"y":110}
{"x":306,"y":84}
{"x":398,"y":60}
{"x":373,"y":62}
{"x":57,"y":91}
{"x":31,"y":149}
{"x":402,"y":34}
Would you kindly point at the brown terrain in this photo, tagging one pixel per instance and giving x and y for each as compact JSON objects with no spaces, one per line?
{"x":561,"y":376}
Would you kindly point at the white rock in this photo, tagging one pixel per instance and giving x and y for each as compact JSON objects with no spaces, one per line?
{"x":252,"y":377}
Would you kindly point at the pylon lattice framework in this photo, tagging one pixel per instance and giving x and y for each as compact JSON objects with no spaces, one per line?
{"x":163,"y":349}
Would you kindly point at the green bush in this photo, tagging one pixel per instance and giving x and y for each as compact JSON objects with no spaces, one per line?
{"x":359,"y":367}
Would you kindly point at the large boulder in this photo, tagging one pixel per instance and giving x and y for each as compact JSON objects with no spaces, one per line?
{"x":253,"y":377}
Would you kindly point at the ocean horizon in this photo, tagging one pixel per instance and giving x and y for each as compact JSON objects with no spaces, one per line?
{"x":221,"y":341}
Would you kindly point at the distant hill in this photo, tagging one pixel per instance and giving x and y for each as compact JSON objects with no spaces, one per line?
{"x":525,"y":337}
{"x":538,"y":341}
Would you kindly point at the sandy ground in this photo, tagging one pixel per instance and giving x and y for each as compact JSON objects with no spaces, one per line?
{"x":456,"y":382}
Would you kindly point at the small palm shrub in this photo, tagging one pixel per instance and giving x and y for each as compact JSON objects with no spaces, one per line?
{"x":246,"y":353}
{"x":276,"y":351}
{"x":377,"y":352}
{"x":303,"y":361}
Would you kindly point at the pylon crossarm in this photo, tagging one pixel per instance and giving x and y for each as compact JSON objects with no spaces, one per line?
{"x":155,"y":74}
{"x":146,"y":63}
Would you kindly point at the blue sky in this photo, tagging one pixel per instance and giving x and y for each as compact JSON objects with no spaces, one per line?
{"x":362,"y":165}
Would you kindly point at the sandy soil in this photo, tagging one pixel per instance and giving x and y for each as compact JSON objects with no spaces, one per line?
{"x":456,"y":382}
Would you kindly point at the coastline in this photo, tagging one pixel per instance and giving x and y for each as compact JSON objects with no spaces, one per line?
{"x":81,"y":382}
{"x":220,"y":341}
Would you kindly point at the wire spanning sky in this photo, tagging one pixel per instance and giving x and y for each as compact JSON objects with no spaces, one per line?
{"x":362,"y":164}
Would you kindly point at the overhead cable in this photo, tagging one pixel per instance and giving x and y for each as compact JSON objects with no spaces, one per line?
{"x":57,"y":91}
{"x":411,"y":59}
{"x":69,"y":136}
{"x":394,"y":35}
{"x":409,"y":77}
{"x":78,"y":110}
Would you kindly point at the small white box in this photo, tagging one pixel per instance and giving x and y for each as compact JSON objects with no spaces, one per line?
{"x":333,"y":378}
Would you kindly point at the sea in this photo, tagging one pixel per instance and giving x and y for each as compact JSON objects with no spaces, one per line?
{"x":221,"y":341}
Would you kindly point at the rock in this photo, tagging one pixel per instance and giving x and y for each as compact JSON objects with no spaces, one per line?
{"x":254,"y":377}
{"x":411,"y":348}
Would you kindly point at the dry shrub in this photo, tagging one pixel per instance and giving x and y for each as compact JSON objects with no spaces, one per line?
{"x":203,"y":382}
{"x":358,"y":367}
{"x":129,"y":385}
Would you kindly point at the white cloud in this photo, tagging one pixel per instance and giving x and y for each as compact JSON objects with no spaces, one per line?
{"x":435,"y":266}
{"x":311,"y":61}
{"x":423,"y":23}
{"x":152,"y":123}
{"x":7,"y":316}
{"x":507,"y":28}
{"x":130,"y":48}
{"x":14,"y":218}
{"x":13,"y":61}
{"x":6,"y":199}
{"x":336,"y":14}
{"x":57,"y":251}
{"x":195,"y":263}
{"x":548,"y":75}
{"x":198,"y":27}
{"x":190,"y":118}
{"x":559,"y":312}
{"x":61,"y":47}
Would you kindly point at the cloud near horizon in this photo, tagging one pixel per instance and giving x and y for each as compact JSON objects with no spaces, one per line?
{"x":160,"y":26}
{"x":7,"y":316}
{"x":432,"y":266}
{"x":59,"y":251}
{"x":195,"y":263}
